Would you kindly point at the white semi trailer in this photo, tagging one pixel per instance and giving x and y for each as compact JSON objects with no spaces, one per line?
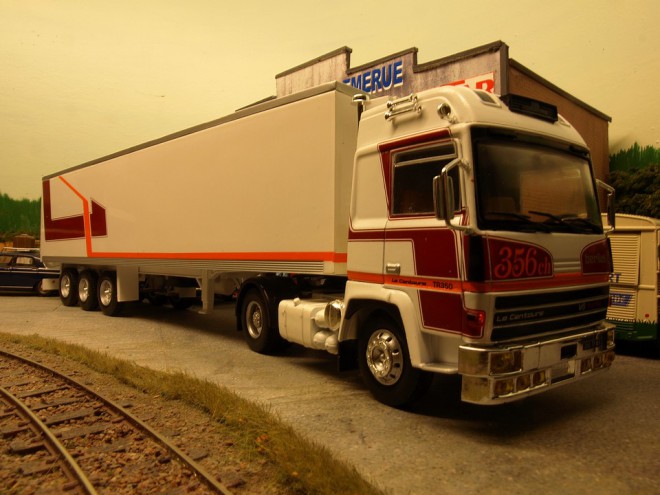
{"x":447,"y":232}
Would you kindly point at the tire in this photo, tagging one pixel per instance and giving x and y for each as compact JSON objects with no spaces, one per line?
{"x":88,"y":291}
{"x":385,"y":366}
{"x":259,"y":333}
{"x":155,"y":299}
{"x":107,"y":295}
{"x":39,"y":289}
{"x":69,"y":287}
{"x":180,"y":303}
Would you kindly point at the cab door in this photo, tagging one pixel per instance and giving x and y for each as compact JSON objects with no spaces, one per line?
{"x":420,"y":252}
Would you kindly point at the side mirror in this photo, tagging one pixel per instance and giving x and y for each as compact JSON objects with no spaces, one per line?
{"x":611,"y":195}
{"x":443,"y":196}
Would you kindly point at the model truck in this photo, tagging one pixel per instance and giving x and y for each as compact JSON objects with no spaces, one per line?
{"x":447,"y":232}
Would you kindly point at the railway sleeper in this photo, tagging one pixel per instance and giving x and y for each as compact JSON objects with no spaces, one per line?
{"x":67,"y":416}
{"x":37,"y":467}
{"x":13,"y":430}
{"x":69,"y":433}
{"x":22,"y":448}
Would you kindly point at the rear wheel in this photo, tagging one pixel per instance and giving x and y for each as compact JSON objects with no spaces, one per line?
{"x":385,"y":364}
{"x":259,"y":334}
{"x":181,"y":303}
{"x":69,"y":287}
{"x":87,"y":291}
{"x":107,"y":295}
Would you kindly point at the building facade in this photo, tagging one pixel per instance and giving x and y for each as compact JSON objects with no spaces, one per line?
{"x":486,"y":67}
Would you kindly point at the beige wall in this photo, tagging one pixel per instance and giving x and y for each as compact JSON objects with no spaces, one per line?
{"x":487,"y":60}
{"x":326,"y":68}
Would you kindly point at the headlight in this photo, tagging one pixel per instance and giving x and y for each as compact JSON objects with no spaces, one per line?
{"x":503,"y":387}
{"x":505,"y":362}
{"x":332,"y":314}
{"x":610,"y":338}
{"x":523,"y":382}
{"x":539,"y":378}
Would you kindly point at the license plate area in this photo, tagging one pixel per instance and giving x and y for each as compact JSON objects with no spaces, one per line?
{"x":562,"y":371}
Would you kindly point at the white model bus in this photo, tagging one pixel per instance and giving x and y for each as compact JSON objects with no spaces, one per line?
{"x":634,"y":279}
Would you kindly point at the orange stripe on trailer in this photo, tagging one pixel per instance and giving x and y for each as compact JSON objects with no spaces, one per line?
{"x":239,"y":256}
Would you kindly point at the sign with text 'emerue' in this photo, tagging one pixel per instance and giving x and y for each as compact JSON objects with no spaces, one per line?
{"x":378,"y":79}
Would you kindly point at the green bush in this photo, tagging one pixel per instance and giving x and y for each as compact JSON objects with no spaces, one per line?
{"x":638,"y":192}
{"x":635,"y":174}
{"x":634,"y":158}
{"x":19,"y":216}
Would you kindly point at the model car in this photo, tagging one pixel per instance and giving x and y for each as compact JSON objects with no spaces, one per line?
{"x":22,"y":269}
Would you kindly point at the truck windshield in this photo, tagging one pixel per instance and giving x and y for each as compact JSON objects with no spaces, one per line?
{"x":523,"y":185}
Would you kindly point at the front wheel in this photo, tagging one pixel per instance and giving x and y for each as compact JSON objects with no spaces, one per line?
{"x":107,"y":295}
{"x":259,"y":334}
{"x":385,"y":364}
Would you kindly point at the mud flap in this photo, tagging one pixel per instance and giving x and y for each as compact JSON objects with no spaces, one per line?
{"x":128,"y":286}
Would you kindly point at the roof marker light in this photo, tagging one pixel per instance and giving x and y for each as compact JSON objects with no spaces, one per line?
{"x":444,"y":110}
{"x":530,"y":107}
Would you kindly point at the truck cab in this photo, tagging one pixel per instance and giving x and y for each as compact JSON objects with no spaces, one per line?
{"x":475,"y":247}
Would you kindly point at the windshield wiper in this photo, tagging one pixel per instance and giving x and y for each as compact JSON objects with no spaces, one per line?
{"x":593,"y":226}
{"x":568,"y":220}
{"x":520,"y":216}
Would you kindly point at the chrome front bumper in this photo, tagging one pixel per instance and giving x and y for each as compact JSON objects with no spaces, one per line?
{"x":494,"y":375}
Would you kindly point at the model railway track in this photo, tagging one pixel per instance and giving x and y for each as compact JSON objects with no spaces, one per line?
{"x":59,"y":436}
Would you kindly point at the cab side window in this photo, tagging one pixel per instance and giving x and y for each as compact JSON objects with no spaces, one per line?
{"x":413,"y":174}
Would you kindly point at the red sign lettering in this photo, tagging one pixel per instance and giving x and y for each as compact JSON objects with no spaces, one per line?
{"x":513,"y":260}
{"x":596,"y":258}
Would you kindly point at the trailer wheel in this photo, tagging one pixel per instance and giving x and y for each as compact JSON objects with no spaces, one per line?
{"x":107,"y":295}
{"x":69,"y":287}
{"x":385,"y":364}
{"x":87,"y":291}
{"x":257,"y":329}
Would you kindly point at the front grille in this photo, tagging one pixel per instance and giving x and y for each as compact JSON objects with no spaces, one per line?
{"x":535,"y":314}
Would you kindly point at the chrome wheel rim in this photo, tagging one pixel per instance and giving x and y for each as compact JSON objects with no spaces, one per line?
{"x":254,"y":319}
{"x":65,"y":286}
{"x":385,"y":357}
{"x":83,"y":289}
{"x":105,"y":292}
